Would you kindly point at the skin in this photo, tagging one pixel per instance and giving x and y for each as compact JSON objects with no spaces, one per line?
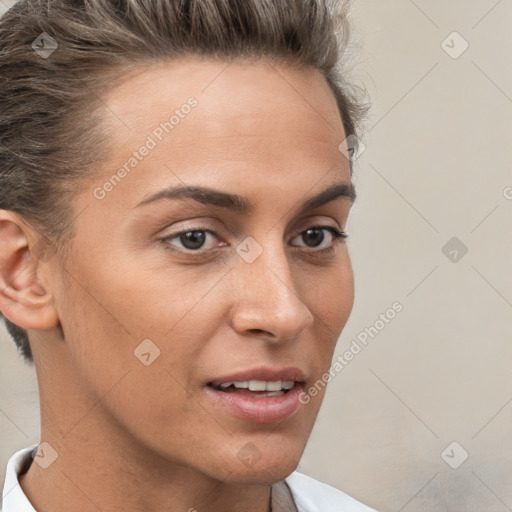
{"x":148,"y":438}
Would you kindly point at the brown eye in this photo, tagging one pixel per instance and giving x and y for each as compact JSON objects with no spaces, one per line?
{"x":315,"y":236}
{"x":192,"y":240}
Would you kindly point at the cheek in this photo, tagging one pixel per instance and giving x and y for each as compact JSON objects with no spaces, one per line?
{"x":331,"y":300}
{"x":155,"y":403}
{"x":330,"y":293}
{"x":158,"y":302}
{"x":345,"y":286}
{"x":126,"y":318}
{"x":343,"y":289}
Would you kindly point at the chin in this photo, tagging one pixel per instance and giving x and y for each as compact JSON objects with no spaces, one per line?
{"x":272,"y":467}
{"x":261,"y":476}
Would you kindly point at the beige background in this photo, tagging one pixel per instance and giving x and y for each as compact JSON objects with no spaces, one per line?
{"x":436,"y":165}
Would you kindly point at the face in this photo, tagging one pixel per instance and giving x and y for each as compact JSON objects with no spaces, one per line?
{"x":167,"y":291}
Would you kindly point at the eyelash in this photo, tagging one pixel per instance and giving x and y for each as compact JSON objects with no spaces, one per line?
{"x":338,"y":238}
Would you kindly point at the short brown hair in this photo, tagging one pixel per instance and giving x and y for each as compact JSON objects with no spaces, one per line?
{"x":50,"y":107}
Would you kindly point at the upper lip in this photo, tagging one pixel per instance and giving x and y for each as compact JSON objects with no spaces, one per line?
{"x":262,"y":373}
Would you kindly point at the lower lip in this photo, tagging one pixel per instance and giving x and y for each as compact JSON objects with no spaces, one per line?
{"x":272,"y":409}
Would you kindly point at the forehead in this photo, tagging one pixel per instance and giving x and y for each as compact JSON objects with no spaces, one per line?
{"x":249,"y":120}
{"x":241,"y":98}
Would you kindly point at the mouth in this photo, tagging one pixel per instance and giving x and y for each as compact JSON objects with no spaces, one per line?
{"x":255,"y":388}
{"x":261,"y":396}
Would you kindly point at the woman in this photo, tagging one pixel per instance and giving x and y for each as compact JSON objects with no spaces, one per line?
{"x":174,"y":190}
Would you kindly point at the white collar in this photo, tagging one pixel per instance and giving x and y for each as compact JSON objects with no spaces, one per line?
{"x":14,"y":499}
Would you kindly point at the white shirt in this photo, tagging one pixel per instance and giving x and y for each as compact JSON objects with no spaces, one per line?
{"x":309,"y":494}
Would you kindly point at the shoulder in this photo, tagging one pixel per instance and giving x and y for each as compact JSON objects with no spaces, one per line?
{"x":311,"y":495}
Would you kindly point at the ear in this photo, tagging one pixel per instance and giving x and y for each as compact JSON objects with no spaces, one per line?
{"x":24,"y":299}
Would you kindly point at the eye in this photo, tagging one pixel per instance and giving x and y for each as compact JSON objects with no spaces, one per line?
{"x":191,"y":239}
{"x":315,"y":236}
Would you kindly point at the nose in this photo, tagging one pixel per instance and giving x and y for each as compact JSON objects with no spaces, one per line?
{"x":268,"y":301}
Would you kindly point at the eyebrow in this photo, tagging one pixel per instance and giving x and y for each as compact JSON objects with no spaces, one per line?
{"x":239,"y":204}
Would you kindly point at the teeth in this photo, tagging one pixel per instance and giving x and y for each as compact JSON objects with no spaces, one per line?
{"x":260,"y":385}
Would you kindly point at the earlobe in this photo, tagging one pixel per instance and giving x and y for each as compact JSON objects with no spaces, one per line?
{"x":24,"y":300}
